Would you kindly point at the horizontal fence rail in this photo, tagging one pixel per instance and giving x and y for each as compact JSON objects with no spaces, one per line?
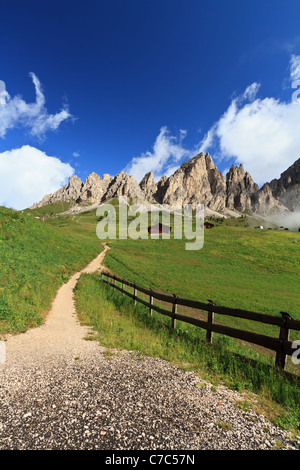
{"x":281,"y":345}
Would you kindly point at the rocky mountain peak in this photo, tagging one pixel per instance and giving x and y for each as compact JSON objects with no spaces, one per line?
{"x":124,"y":185}
{"x":75,"y":182}
{"x":148,"y":186}
{"x":93,"y":188}
{"x":286,"y":189}
{"x":239,"y":189}
{"x":197,"y":181}
{"x":74,"y":187}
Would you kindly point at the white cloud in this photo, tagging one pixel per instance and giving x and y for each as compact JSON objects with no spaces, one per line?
{"x":166,"y":155}
{"x":262,"y":134}
{"x":14,"y":112}
{"x":27,"y":174}
{"x":251,"y":91}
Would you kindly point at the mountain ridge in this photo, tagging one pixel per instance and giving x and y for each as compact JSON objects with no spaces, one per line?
{"x":196,"y":181}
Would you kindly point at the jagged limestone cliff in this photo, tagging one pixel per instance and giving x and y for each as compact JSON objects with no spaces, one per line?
{"x":197,"y":181}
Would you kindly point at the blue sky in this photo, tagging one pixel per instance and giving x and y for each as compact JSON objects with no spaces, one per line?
{"x":144,"y":85}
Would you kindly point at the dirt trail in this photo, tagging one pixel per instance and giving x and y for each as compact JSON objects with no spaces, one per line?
{"x":61,"y":335}
{"x":60,"y":391}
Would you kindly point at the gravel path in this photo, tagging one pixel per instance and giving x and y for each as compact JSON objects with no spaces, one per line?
{"x":60,"y":391}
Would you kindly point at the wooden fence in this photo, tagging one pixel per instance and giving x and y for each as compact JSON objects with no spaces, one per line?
{"x":281,"y":345}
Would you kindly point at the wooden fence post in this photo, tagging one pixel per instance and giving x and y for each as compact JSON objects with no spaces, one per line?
{"x":151,"y":303}
{"x":134,"y":293}
{"x":281,"y":346}
{"x":284,"y":335}
{"x":210,"y":319}
{"x":174,"y":311}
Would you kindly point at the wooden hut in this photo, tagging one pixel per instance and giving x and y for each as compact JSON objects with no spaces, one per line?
{"x":208,"y":225}
{"x":158,"y":229}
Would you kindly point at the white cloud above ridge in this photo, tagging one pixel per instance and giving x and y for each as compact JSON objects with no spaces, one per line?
{"x":27,"y":174}
{"x":262,"y":134}
{"x":165,"y":157}
{"x":14,"y":112}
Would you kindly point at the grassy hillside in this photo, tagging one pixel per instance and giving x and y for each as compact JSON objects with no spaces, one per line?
{"x":237,"y":267}
{"x":35,"y":259}
{"x":50,"y":209}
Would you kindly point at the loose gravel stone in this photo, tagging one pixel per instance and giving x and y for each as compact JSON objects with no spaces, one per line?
{"x":124,"y":404}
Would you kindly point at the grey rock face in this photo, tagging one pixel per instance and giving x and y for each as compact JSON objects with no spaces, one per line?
{"x":244,"y":195}
{"x":74,"y":186}
{"x":124,"y":185}
{"x":287,"y":188}
{"x":197,"y":181}
{"x":291,"y":198}
{"x":66,"y":193}
{"x":94,"y":188}
{"x":148,"y":186}
{"x":161,"y":189}
{"x":263,"y":202}
{"x":239,"y":189}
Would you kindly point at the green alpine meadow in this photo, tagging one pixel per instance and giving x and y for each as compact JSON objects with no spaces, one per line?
{"x":238,"y":267}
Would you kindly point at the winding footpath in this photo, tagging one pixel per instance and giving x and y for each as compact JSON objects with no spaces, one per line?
{"x":60,"y":391}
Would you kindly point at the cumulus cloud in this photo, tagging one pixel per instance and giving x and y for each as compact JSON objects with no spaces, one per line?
{"x":165,"y":157}
{"x":27,"y":174}
{"x":14,"y":112}
{"x":262,"y":134}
